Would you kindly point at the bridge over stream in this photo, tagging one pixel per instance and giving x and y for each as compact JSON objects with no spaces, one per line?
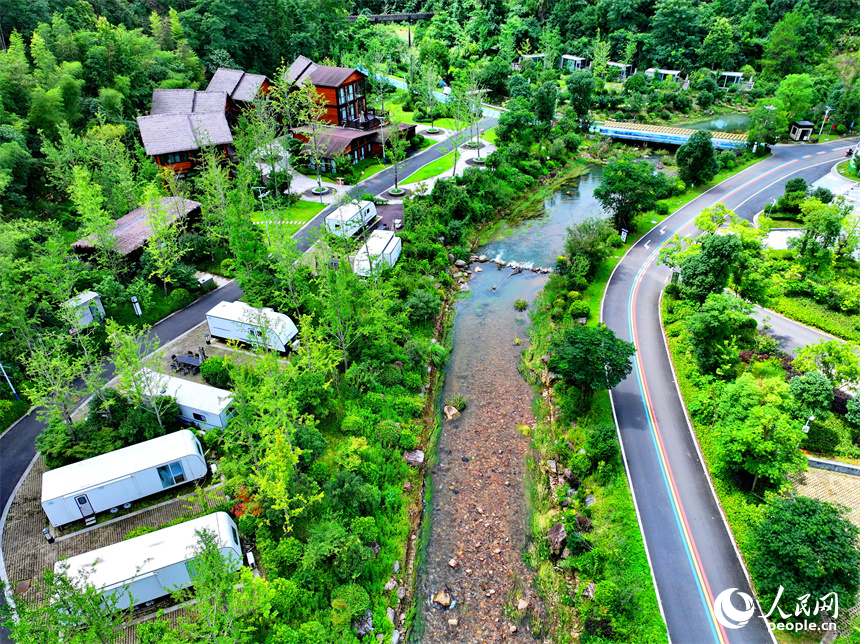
{"x":668,"y":135}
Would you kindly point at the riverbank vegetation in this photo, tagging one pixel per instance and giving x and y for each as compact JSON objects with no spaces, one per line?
{"x":751,"y":405}
{"x":579,"y":481}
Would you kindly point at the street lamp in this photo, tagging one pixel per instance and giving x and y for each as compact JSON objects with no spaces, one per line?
{"x":137,"y":310}
{"x":805,"y":429}
{"x":5,"y":375}
{"x":826,"y":113}
{"x":262,"y":192}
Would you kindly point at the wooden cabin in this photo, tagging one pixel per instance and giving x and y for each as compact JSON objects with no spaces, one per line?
{"x":356,"y":131}
{"x":174,"y":140}
{"x":240,"y":87}
{"x":132,"y":230}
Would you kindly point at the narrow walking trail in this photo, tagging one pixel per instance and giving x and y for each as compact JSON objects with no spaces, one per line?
{"x":479,"y":510}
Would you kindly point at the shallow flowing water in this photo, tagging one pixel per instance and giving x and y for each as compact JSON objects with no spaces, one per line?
{"x":479,"y":507}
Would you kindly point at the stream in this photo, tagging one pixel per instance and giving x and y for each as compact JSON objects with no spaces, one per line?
{"x":722,"y":123}
{"x":479,"y":510}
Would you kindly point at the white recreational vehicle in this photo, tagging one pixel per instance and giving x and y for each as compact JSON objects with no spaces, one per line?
{"x":258,"y":327}
{"x":350,"y":218}
{"x":152,"y":565}
{"x":205,"y":406}
{"x":382,"y":247}
{"x":88,"y":308}
{"x":79,"y":490}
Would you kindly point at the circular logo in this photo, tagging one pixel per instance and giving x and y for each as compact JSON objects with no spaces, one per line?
{"x":728,"y":615}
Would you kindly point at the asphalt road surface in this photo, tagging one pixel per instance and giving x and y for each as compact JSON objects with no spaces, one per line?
{"x":692,"y":553}
{"x":673,"y":565}
{"x":18,"y":444}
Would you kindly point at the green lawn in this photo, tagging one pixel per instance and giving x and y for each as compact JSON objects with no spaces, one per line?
{"x":490,"y":135}
{"x":370,"y":171}
{"x":398,"y":114}
{"x":433,"y":169}
{"x":293,"y":217}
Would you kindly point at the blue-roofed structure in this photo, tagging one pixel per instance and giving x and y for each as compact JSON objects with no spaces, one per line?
{"x":667,"y":135}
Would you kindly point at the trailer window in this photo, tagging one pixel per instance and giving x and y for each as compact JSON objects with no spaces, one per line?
{"x":171,"y":474}
{"x":235,"y":535}
{"x":199,"y":417}
{"x":199,"y":449}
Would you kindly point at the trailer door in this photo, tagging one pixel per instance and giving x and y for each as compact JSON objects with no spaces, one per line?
{"x":82,"y":501}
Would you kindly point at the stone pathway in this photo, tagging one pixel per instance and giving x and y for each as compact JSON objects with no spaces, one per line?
{"x":26,"y":553}
{"x":466,"y":154}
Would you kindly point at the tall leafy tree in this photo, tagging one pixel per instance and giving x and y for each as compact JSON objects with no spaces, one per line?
{"x":718,"y":330}
{"x":805,"y":547}
{"x":783,"y":52}
{"x":796,"y":91}
{"x":754,"y":432}
{"x":629,"y":189}
{"x":77,"y":612}
{"x":709,"y":270}
{"x":580,"y":86}
{"x":697,"y":159}
{"x":719,"y":49}
{"x":95,"y":222}
{"x":166,"y":228}
{"x":591,"y":359}
{"x":838,"y":361}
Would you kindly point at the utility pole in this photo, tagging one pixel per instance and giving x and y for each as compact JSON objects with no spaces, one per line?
{"x":262,"y":192}
{"x":5,"y":375}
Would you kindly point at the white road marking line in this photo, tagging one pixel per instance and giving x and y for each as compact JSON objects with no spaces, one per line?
{"x":806,"y":157}
{"x":823,"y":152}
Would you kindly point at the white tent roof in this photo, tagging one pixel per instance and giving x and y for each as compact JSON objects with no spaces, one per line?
{"x":347,"y":211}
{"x":570,"y":57}
{"x":122,"y":462}
{"x":733,"y":74}
{"x":278,"y":323}
{"x":120,"y":562}
{"x":195,"y":395}
{"x":81,"y":299}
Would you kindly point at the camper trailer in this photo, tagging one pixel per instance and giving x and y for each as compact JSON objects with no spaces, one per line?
{"x":350,"y":218}
{"x":205,"y":406}
{"x":142,"y":569}
{"x":382,"y":247}
{"x":257,"y":327}
{"x":80,"y":490}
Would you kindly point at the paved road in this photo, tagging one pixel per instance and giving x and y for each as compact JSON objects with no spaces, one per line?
{"x":18,"y":444}
{"x":383,"y":181}
{"x":692,"y":554}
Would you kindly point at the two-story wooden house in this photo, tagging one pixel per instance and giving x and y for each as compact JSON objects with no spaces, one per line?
{"x":355,"y":128}
{"x":241,"y":88}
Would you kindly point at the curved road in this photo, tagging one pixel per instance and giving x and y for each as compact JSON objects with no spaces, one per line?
{"x":692,"y":553}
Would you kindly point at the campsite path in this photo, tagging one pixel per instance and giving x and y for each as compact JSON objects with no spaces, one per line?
{"x":478,"y":530}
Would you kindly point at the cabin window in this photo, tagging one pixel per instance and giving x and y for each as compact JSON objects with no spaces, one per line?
{"x":341,"y":96}
{"x":199,"y":449}
{"x":199,"y":417}
{"x":343,"y":115}
{"x":171,"y":474}
{"x":177,"y":157}
{"x":235,"y":535}
{"x":351,"y":92}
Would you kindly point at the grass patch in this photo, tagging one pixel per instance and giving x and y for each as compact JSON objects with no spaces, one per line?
{"x":490,"y":135}
{"x":811,"y":313}
{"x":398,"y":113}
{"x":431,"y":170}
{"x":371,"y":170}
{"x":290,"y":219}
{"x":847,"y":171}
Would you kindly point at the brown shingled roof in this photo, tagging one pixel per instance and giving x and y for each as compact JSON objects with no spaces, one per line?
{"x":325,"y":76}
{"x":132,"y":230}
{"x":299,"y":69}
{"x":185,"y":101}
{"x":248,"y":87}
{"x":335,"y":140}
{"x":166,"y":133}
{"x":225,"y":80}
{"x":239,"y":85}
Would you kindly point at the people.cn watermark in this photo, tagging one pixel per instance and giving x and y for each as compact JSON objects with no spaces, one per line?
{"x":731,"y":617}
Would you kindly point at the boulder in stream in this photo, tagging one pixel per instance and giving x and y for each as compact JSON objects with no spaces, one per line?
{"x":451,"y":413}
{"x":364,"y":625}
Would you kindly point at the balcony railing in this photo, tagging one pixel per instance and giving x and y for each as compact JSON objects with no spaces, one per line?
{"x":383,"y":114}
{"x":367,"y":123}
